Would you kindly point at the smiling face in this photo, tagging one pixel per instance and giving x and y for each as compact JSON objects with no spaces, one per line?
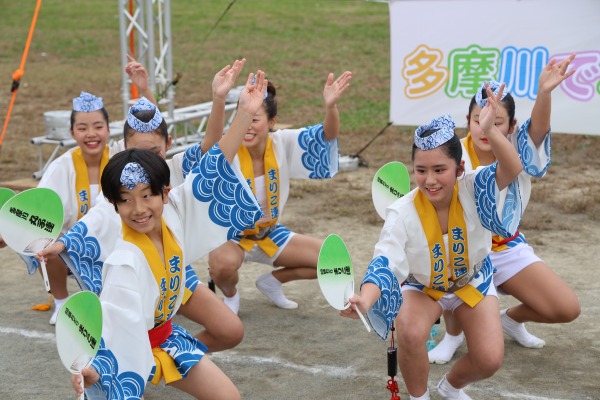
{"x":91,"y":132}
{"x":502,"y":122}
{"x":140,"y":209}
{"x":435,"y":175}
{"x":259,"y":129}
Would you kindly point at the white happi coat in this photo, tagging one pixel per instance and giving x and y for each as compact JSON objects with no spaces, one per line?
{"x":92,"y":239}
{"x":60,"y":176}
{"x":212,"y":206}
{"x":403,"y":248}
{"x":535,"y":161}
{"x":302,"y":154}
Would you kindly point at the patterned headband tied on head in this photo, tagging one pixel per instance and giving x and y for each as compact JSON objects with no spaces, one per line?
{"x":133,"y":174}
{"x":443,"y":130}
{"x":137,"y":124}
{"x":87,"y":102}
{"x":266,"y":91}
{"x":495,"y":86}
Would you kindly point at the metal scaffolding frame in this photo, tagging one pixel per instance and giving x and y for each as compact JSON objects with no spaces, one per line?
{"x":145,"y":33}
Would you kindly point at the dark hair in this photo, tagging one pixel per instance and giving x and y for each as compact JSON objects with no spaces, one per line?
{"x":145,"y":116}
{"x":156,"y":168}
{"x":271,"y":102}
{"x":508,"y":102}
{"x":74,"y":113}
{"x":452,"y":148}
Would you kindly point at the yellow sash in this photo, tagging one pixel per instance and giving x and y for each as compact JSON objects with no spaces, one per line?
{"x":272,"y":191}
{"x":498,"y":242}
{"x":82,"y":180}
{"x":169,"y":278}
{"x":457,"y":242}
{"x":167,"y":272}
{"x":471,"y":151}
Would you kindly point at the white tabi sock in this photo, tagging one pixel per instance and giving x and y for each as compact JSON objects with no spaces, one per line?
{"x":57,"y":304}
{"x":272,"y":288}
{"x":517,"y":331}
{"x":444,"y":350}
{"x":449,"y":392}
{"x":424,"y":397}
{"x":233,"y":302}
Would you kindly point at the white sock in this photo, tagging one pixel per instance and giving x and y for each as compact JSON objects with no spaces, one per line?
{"x":57,"y":304}
{"x":233,"y":302}
{"x":443,"y":352}
{"x":424,"y":397}
{"x":517,"y":331}
{"x":272,"y":288}
{"x":449,"y":392}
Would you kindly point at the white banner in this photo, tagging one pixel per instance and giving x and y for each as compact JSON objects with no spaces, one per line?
{"x":442,"y":51}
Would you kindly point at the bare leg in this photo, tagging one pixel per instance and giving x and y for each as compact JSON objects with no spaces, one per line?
{"x":485,"y":343}
{"x":57,"y":276}
{"x":545,"y":298}
{"x":206,"y":381}
{"x":417,"y":315}
{"x":224,"y":263}
{"x":222,"y":328}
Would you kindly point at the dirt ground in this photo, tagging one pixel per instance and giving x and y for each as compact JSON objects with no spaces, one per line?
{"x":311,"y":353}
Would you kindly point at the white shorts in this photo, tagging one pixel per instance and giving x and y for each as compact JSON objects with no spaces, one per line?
{"x":511,"y":261}
{"x":257,"y":255}
{"x":450,"y":301}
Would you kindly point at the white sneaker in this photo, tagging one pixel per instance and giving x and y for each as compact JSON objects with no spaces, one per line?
{"x":449,"y":392}
{"x":273,"y":289}
{"x":233,"y":302}
{"x":54,"y":315}
{"x":445,"y":349}
{"x":517,"y":331}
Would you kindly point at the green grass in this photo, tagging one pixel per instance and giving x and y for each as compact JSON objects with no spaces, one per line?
{"x":76,"y":46}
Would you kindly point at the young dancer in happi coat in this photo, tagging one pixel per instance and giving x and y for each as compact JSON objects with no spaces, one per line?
{"x":268,"y":160}
{"x":437,"y":239}
{"x":545,"y":297}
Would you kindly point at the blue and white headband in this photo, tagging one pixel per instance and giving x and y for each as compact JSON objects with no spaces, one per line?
{"x":87,"y":102}
{"x":495,"y":86}
{"x":443,"y":128}
{"x":133,"y":174}
{"x":137,"y":124}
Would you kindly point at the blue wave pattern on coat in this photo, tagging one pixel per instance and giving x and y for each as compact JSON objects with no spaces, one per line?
{"x":384,"y":311}
{"x":191,"y":279}
{"x":84,"y":253}
{"x":483,"y":278}
{"x":317,"y":152}
{"x":191,"y":158}
{"x":112,"y":384}
{"x":528,"y":153}
{"x":485,"y":200}
{"x":230,"y":204}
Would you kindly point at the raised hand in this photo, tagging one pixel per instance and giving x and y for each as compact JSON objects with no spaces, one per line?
{"x":225,"y":78}
{"x":137,"y":73}
{"x":487,"y":116}
{"x":334,"y":89}
{"x":252,"y":97}
{"x":554,"y":73}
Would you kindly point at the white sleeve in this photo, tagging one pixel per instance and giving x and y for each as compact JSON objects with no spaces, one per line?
{"x":124,"y":360}
{"x":214,"y":205}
